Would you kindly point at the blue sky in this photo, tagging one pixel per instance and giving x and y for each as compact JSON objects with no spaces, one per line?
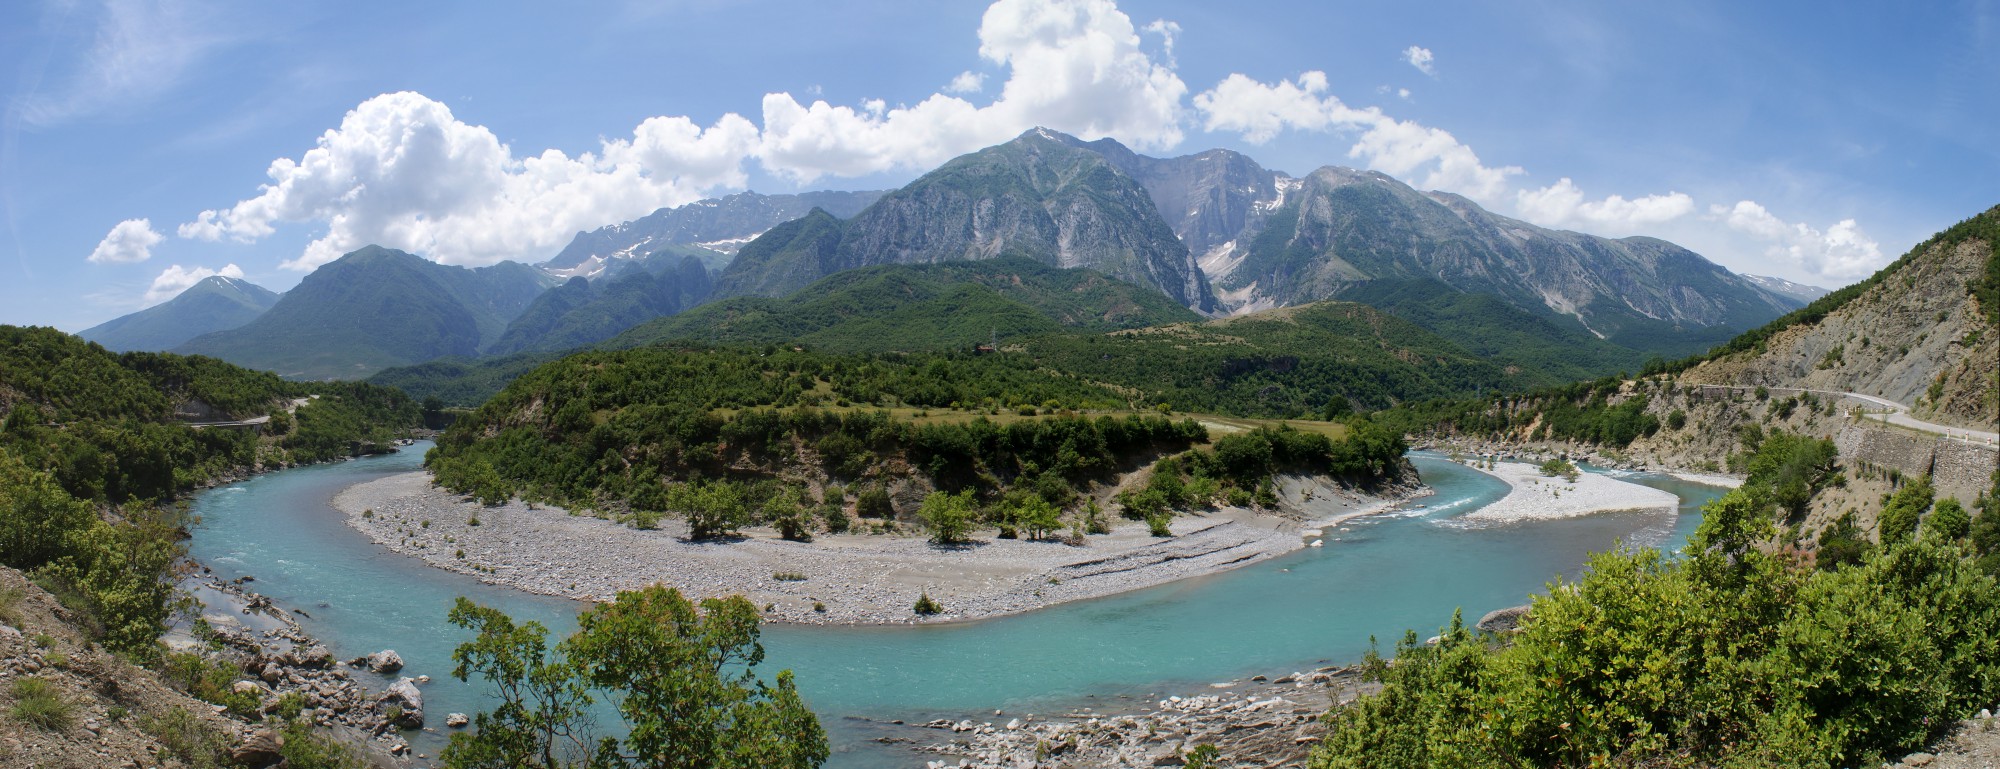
{"x":147,"y":143}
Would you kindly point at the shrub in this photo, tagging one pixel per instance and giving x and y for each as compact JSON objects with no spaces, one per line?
{"x":1555,"y":467}
{"x":37,"y":702}
{"x":927,"y":607}
{"x":305,"y":748}
{"x":873,"y":502}
{"x":189,"y":739}
{"x":948,"y":516}
{"x":1160,"y":524}
{"x":1948,"y":520}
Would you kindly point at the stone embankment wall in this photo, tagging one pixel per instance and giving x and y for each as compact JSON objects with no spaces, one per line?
{"x":1957,"y":469}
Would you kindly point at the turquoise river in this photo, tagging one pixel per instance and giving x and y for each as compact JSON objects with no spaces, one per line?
{"x":1383,"y":574}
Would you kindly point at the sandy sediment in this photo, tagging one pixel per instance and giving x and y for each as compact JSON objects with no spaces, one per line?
{"x":848,"y":578}
{"x":1708,"y":479}
{"x":1533,"y":496}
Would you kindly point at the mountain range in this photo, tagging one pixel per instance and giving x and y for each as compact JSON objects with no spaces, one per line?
{"x":1213,"y":232}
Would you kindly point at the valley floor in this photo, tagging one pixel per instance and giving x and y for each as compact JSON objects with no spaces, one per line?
{"x":848,"y":578}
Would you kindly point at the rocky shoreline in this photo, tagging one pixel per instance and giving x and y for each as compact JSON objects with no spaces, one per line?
{"x":837,"y":579}
{"x":1277,"y":720}
{"x":283,"y":665}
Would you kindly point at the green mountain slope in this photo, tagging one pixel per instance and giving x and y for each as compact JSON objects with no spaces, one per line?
{"x":1553,"y":346}
{"x":1038,"y":197}
{"x":215,"y":304}
{"x":583,"y":312}
{"x":1278,"y":363}
{"x":376,"y":308}
{"x":921,"y":307}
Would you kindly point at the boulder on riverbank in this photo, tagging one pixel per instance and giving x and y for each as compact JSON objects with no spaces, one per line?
{"x":404,"y":704}
{"x":385,"y":661}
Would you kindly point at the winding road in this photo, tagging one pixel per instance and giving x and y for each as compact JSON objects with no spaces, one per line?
{"x":1895,"y":414}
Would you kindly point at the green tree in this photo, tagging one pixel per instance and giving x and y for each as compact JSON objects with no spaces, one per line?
{"x":684,"y":678}
{"x":785,"y":509}
{"x":948,"y":516}
{"x":542,"y":717}
{"x":712,"y":508}
{"x":1037,"y":516}
{"x":1898,"y":519}
{"x":1948,"y":520}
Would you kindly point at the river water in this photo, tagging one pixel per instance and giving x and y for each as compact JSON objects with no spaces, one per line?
{"x":1376,"y":576}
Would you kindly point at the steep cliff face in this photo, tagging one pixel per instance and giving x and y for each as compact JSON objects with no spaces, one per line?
{"x":1213,"y":200}
{"x":1038,"y":196}
{"x":1914,"y":334}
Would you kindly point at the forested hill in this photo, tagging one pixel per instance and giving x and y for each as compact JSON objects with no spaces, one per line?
{"x":375,"y":308}
{"x":737,"y":437}
{"x":115,"y":427}
{"x":922,"y":307}
{"x":96,"y":446}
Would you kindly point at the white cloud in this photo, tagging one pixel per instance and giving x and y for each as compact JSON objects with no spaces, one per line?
{"x":1421,"y":58}
{"x":403,"y":172}
{"x":1168,"y":31}
{"x":129,"y":241}
{"x":1399,"y":148}
{"x":176,"y":279}
{"x":138,"y":50}
{"x":1562,"y":204}
{"x":1073,"y":65}
{"x":967,"y":82}
{"x":1842,"y":251}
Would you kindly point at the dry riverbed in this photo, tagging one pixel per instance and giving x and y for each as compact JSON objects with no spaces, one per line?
{"x":848,"y":578}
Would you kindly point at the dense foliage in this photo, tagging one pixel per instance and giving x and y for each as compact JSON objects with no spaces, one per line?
{"x":682,"y":676}
{"x":1283,"y":363}
{"x":922,"y":307}
{"x":92,"y":455}
{"x":1726,"y":656}
{"x":1603,"y":412}
{"x":633,"y":429}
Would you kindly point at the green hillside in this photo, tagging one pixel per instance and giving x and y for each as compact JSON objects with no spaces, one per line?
{"x":921,"y":307}
{"x":1278,"y":363}
{"x":93,"y":458}
{"x":376,"y":308}
{"x":583,"y":312}
{"x":1552,"y":346}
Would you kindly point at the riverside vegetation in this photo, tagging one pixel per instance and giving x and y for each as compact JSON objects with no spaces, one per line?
{"x":93,"y":463}
{"x":729,"y":436}
{"x":1729,"y":654}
